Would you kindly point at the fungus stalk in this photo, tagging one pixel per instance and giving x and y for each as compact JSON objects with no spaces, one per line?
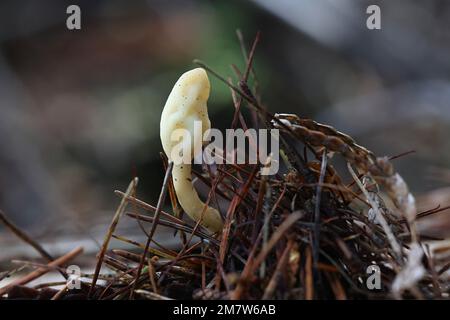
{"x":184,"y":109}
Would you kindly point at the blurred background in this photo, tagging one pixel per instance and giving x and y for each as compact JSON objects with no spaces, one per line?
{"x":80,"y":109}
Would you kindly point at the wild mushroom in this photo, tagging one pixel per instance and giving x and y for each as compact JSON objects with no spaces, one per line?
{"x":185,"y":108}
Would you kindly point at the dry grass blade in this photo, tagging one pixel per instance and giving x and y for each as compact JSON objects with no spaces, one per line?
{"x":269,"y":291}
{"x":161,"y":199}
{"x":27,"y":239}
{"x":112,"y":227}
{"x":41,"y":271}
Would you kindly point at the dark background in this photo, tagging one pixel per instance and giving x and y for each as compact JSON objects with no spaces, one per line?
{"x":80,"y":110}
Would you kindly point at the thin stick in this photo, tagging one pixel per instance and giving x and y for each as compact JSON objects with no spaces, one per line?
{"x":112,"y":227}
{"x":178,"y":212}
{"x":174,"y":225}
{"x":161,"y":199}
{"x":41,"y":271}
{"x":6,"y":274}
{"x":270,"y":289}
{"x":309,"y":283}
{"x":152,"y":295}
{"x":191,"y":236}
{"x":26,"y":238}
{"x":244,"y":78}
{"x":249,"y":264}
{"x":60,"y":293}
{"x":316,"y":246}
{"x":244,"y":54}
{"x":392,"y":241}
{"x":278,"y":233}
{"x":251,"y":56}
{"x":148,"y":207}
{"x":152,"y":274}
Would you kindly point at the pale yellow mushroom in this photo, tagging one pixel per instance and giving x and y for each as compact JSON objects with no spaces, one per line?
{"x":185,"y":105}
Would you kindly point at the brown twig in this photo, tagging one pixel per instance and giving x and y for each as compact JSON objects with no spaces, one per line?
{"x":161,"y":199}
{"x":27,"y":239}
{"x":41,"y":271}
{"x":112,"y":227}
